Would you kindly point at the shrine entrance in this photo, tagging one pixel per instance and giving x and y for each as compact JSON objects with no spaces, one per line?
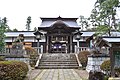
{"x":59,"y":44}
{"x":59,"y":34}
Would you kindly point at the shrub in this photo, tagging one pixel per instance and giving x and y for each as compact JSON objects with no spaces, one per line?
{"x":33,"y":55}
{"x":117,"y":72}
{"x":96,"y":75}
{"x":105,"y":66}
{"x":83,"y":57}
{"x":13,"y":70}
{"x":30,"y":50}
{"x":2,"y":58}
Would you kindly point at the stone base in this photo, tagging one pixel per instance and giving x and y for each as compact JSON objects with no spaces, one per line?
{"x":94,"y":62}
{"x":111,"y":78}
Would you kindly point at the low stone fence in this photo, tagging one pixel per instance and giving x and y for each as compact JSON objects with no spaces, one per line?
{"x":23,"y":59}
{"x":17,"y":57}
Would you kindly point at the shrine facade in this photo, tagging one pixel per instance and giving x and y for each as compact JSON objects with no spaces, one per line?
{"x":59,"y":34}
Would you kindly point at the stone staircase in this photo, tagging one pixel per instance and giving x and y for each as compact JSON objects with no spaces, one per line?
{"x":58,"y":61}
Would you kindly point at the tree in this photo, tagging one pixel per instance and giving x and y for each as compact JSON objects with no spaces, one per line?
{"x":3,"y":27}
{"x":8,"y":30}
{"x":93,"y":19}
{"x":103,"y":16}
{"x":28,"y":23}
{"x":83,"y":22}
{"x":4,"y":22}
{"x":35,"y":29}
{"x":15,"y":29}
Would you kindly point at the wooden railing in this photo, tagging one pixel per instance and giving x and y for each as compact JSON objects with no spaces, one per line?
{"x":78,"y":49}
{"x":40,"y":49}
{"x":83,"y":48}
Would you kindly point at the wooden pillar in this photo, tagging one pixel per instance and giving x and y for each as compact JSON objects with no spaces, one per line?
{"x":112,"y":62}
{"x":47,"y":43}
{"x":71,"y":43}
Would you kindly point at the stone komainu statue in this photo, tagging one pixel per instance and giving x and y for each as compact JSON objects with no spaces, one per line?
{"x":18,"y":43}
{"x":20,"y":38}
{"x":17,"y":46}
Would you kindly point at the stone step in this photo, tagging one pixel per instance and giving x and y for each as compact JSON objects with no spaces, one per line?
{"x":65,"y":56}
{"x":57,"y":59}
{"x":58,"y":67}
{"x":58,"y":56}
{"x":58,"y":62}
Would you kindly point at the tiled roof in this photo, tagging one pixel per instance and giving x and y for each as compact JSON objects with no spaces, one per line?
{"x":15,"y":34}
{"x":30,"y":34}
{"x":87,"y":33}
{"x":115,"y":39}
{"x":70,"y":23}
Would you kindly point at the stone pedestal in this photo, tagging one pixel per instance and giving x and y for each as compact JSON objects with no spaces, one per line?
{"x":17,"y":50}
{"x":111,"y":78}
{"x":94,"y":62}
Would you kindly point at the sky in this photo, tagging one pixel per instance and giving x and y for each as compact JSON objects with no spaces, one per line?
{"x":17,"y":11}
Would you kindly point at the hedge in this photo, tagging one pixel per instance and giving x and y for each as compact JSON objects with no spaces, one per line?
{"x":13,"y":70}
{"x":83,"y":57}
{"x":105,"y":66}
{"x":96,"y":75}
{"x":2,"y":58}
{"x":33,"y":55}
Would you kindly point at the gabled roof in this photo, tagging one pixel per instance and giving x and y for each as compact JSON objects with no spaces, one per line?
{"x":56,"y":18}
{"x":47,"y":22}
{"x":57,"y":26}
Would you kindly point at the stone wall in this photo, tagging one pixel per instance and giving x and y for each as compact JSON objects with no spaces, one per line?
{"x":23,"y":59}
{"x":94,"y":62}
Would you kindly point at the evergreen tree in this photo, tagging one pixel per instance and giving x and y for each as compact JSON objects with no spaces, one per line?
{"x":8,"y":30}
{"x":15,"y":29}
{"x":3,"y":27}
{"x":35,"y":29}
{"x":28,"y":23}
{"x":103,"y":16}
{"x":83,"y":23}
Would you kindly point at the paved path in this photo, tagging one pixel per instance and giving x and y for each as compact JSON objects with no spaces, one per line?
{"x":58,"y":74}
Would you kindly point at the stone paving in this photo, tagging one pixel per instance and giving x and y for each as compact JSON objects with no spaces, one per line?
{"x":58,"y":74}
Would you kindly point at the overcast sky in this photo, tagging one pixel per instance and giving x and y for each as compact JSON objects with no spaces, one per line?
{"x":17,"y":11}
